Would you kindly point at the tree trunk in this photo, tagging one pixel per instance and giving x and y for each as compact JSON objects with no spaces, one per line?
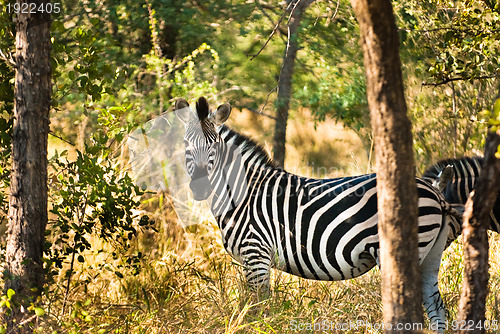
{"x":472,"y":304}
{"x":285,"y":81}
{"x":28,"y":200}
{"x":396,"y":188}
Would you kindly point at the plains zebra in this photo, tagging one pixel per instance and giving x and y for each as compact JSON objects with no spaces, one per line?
{"x":458,"y":184}
{"x":323,"y":229}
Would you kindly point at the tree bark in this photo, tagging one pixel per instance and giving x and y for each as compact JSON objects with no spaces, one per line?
{"x":472,"y":304}
{"x":285,"y":81}
{"x":396,"y":188}
{"x":28,"y":200}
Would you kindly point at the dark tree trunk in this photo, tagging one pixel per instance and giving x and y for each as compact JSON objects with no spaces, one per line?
{"x":28,"y":200}
{"x":475,"y":239}
{"x":396,"y":188}
{"x":285,"y":82}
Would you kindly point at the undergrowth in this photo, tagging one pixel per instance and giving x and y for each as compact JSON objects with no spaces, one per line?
{"x":193,"y":286}
{"x":185,"y":282}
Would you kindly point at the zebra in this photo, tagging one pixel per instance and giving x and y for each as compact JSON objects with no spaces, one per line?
{"x":456,"y":179}
{"x":322,"y":229}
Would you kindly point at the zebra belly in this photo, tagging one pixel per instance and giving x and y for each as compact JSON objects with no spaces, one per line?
{"x":341,"y":250}
{"x":349,"y":247}
{"x":363,"y":264}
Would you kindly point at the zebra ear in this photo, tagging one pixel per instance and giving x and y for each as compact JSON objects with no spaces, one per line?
{"x":443,"y":178}
{"x":221,"y":114}
{"x":182,"y":110}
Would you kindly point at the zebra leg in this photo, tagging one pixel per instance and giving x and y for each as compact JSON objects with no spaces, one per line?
{"x":257,"y":269}
{"x":433,"y":303}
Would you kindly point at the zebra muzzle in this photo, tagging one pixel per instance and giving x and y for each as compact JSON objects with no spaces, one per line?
{"x":200,"y":188}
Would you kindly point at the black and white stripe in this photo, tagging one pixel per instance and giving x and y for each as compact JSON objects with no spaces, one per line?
{"x":323,"y":229}
{"x":459,"y":183}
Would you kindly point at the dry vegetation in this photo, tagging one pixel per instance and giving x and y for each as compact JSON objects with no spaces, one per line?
{"x":188,"y":284}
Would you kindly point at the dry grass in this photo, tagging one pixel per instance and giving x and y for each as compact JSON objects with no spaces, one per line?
{"x":188,"y":283}
{"x":194,"y":287}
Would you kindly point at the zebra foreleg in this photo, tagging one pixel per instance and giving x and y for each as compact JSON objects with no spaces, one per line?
{"x":257,"y":269}
{"x":433,"y":303}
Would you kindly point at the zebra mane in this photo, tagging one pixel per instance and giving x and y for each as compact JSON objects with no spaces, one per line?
{"x":433,"y":171}
{"x":202,"y":108}
{"x":247,"y":145}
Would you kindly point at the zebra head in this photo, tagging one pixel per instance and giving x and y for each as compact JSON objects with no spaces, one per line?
{"x":202,"y":141}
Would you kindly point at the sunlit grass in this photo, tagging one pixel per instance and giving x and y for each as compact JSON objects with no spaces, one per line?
{"x":189,"y":284}
{"x":196,"y":288}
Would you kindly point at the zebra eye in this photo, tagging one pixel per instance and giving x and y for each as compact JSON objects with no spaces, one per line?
{"x":210,"y":163}
{"x":190,"y":166}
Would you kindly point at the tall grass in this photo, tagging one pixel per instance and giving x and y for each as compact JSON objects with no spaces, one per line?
{"x":189,"y":284}
{"x":195,"y":287}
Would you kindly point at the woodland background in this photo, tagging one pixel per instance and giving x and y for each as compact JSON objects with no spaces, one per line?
{"x":117,"y":259}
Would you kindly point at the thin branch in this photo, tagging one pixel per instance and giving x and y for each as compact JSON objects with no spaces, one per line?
{"x":267,"y":98}
{"x":70,"y":273}
{"x":445,"y":28}
{"x":21,"y":324}
{"x":227,"y":90}
{"x":260,"y":113}
{"x":447,"y":80}
{"x":8,"y":59}
{"x":58,"y":137}
{"x":336,"y":11}
{"x":272,"y":32}
{"x":262,"y":10}
{"x":331,"y":18}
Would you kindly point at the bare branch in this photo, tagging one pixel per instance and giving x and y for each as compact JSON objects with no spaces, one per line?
{"x":447,"y":80}
{"x":227,"y":90}
{"x":259,"y":113}
{"x":336,"y":11}
{"x":61,"y":138}
{"x":272,"y":32}
{"x":22,"y":323}
{"x":267,"y":98}
{"x":8,"y":58}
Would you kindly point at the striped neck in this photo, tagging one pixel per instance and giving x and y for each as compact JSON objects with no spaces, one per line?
{"x":247,"y":147}
{"x":239,"y":164}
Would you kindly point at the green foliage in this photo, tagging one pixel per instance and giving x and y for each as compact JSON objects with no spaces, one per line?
{"x":91,"y":197}
{"x":448,"y":51}
{"x":6,"y":299}
{"x":339,"y":96}
{"x":5,"y":308}
{"x":493,"y":119}
{"x":183,"y":77}
{"x":468,"y":45}
{"x":337,"y":88}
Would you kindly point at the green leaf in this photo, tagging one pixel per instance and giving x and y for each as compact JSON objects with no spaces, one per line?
{"x":312,"y":302}
{"x":496,"y":107}
{"x":10,"y":293}
{"x":39,"y":311}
